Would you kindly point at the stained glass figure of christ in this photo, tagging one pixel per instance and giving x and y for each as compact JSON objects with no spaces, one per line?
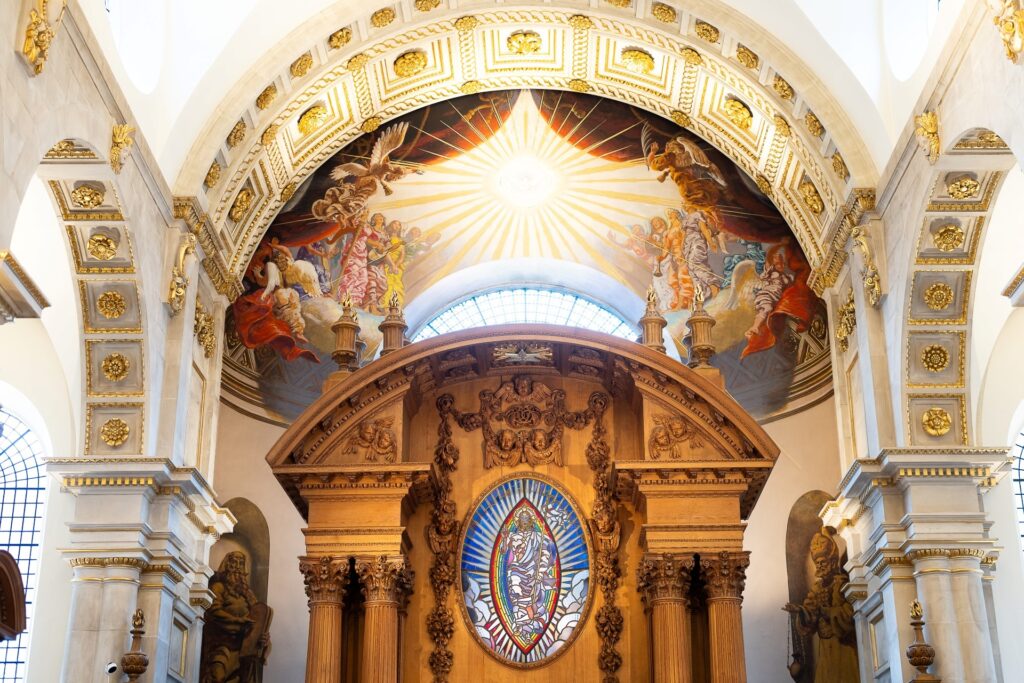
{"x":525,"y":571}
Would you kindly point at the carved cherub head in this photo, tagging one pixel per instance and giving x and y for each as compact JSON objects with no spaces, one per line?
{"x":539,"y":440}
{"x":678,"y":427}
{"x":507,"y":439}
{"x":523,"y":385}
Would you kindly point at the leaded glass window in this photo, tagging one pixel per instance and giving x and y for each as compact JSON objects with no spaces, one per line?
{"x":22,"y":497}
{"x":527,"y":305}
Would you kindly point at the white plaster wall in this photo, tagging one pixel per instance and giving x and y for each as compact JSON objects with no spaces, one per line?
{"x":241,"y":470}
{"x":809,"y":460}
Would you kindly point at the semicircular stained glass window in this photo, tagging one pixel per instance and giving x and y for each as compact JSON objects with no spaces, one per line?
{"x":525,"y":570}
{"x":527,"y":305}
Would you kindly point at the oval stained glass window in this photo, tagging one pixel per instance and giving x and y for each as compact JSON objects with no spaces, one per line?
{"x":525,"y":570}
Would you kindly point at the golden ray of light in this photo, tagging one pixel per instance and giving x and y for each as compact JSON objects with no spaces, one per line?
{"x":456,"y":259}
{"x":415,"y":201}
{"x":587,"y":192}
{"x":594,"y":215}
{"x":601,"y":262}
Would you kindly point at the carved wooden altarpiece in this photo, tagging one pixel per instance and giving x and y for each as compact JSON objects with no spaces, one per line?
{"x":390,"y":465}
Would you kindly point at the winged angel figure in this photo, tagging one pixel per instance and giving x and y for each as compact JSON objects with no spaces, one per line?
{"x":356,"y":182}
{"x":683,"y":160}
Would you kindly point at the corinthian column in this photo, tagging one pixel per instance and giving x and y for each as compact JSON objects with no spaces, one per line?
{"x":725,"y":575}
{"x":664,"y":582}
{"x":325,"y":588}
{"x":385,"y":583}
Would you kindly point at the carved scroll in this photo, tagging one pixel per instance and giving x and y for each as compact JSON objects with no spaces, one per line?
{"x":605,"y":527}
{"x":522,"y":422}
{"x":442,"y":535}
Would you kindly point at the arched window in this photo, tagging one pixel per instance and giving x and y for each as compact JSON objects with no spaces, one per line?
{"x":526,"y":305}
{"x":1018,"y":480}
{"x":22,"y":497}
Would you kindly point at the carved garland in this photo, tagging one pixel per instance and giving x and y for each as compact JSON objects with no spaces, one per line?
{"x":442,"y":534}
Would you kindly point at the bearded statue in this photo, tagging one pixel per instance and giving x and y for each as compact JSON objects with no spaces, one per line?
{"x":236,"y":637}
{"x":826,"y":618}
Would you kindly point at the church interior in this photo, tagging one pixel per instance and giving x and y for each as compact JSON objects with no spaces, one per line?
{"x":347,"y":343}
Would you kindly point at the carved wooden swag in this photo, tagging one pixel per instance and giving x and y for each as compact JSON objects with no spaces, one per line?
{"x":522,"y":422}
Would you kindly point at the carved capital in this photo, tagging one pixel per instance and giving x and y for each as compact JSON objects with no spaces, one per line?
{"x":384,"y":579}
{"x":664,"y":578}
{"x":725,"y":574}
{"x":325,"y":579}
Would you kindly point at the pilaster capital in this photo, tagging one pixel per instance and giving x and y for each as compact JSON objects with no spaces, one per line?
{"x":325,"y":579}
{"x":385,"y":579}
{"x":664,"y":578}
{"x":725,"y":574}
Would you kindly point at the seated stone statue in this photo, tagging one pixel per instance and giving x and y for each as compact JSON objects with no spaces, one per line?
{"x":236,"y":636}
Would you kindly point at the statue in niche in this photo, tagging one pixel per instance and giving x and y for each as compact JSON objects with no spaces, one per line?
{"x":236,"y":637}
{"x":825,"y":618}
{"x":374,"y":441}
{"x":522,"y":422}
{"x":671,"y":438}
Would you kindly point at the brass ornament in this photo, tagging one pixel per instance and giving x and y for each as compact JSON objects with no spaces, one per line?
{"x":706,"y":31}
{"x":120,"y":142}
{"x":782,"y":88}
{"x":691,"y":56}
{"x":936,"y":421}
{"x":212,"y":176}
{"x":747,"y":57}
{"x":373,"y":123}
{"x":467,"y":23}
{"x":948,"y":237}
{"x":426,"y":5}
{"x":581,"y":22}
{"x":621,"y":4}
{"x":241,"y":205}
{"x":382,"y":17}
{"x":1009,"y":21}
{"x":869,"y":271}
{"x":202,"y":328}
{"x":579,"y":85}
{"x":681,"y":118}
{"x":738,"y":113}
{"x":237,"y":135}
{"x":87,"y":196}
{"x":410,"y":63}
{"x":839,"y":165}
{"x":39,"y":35}
{"x":69,"y":149}
{"x":781,"y":126}
{"x":101,"y":246}
{"x":312,"y":119}
{"x":115,"y":367}
{"x":266,"y":98}
{"x":935,"y":358}
{"x":663,"y":13}
{"x":938,"y":296}
{"x":268,"y":135}
{"x":339,"y":38}
{"x":964,"y":187}
{"x":927,"y":134}
{"x":809,"y":193}
{"x":111,"y":305}
{"x":813,"y":124}
{"x":637,"y":60}
{"x":114,"y":432}
{"x":288,"y":191}
{"x":846,"y":321}
{"x":301,"y":66}
{"x":179,"y":280}
{"x":523,"y":42}
{"x":357,"y":62}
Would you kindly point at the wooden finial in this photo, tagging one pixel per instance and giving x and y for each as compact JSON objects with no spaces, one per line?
{"x":135,"y":662}
{"x":652,"y":325}
{"x":393,"y":327}
{"x":920,"y":654}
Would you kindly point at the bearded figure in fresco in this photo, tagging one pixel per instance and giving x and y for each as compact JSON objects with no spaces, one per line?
{"x":529,"y":574}
{"x":827,"y":617}
{"x":236,"y":636}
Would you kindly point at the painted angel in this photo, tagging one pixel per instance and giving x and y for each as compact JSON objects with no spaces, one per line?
{"x":683,"y":160}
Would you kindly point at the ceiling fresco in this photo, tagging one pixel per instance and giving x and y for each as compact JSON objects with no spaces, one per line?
{"x":521,"y":174}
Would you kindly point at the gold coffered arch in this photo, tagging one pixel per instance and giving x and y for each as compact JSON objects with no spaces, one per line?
{"x":677,"y":65}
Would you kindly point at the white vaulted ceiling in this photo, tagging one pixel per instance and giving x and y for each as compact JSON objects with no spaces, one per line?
{"x":176,"y":59}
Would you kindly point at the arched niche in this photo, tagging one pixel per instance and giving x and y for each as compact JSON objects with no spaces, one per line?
{"x":251,"y":536}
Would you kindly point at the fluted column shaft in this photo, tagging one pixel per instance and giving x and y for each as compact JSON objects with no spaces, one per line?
{"x":385,"y":582}
{"x":664,"y":583}
{"x":725,"y":575}
{"x":325,"y":588}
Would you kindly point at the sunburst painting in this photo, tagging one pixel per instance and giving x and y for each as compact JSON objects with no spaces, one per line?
{"x":497,"y":177}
